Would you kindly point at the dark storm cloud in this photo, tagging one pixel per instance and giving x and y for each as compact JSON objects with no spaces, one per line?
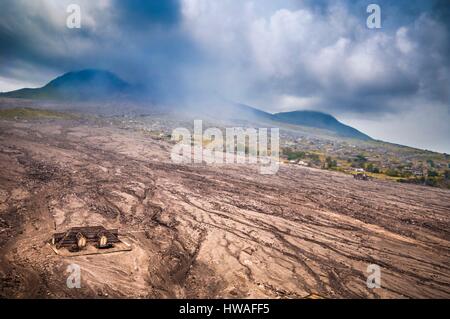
{"x":266,"y":53}
{"x":356,"y":70}
{"x":441,"y":10}
{"x":139,"y":40}
{"x":16,"y":37}
{"x":32,"y":45}
{"x":142,"y":13}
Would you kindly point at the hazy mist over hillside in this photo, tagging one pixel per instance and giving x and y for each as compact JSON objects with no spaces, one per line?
{"x":392,"y":83}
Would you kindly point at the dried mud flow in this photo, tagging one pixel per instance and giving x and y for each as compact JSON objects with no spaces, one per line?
{"x":207,"y":231}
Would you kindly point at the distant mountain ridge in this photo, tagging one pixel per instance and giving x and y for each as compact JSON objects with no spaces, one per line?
{"x":82,"y":85}
{"x":100,"y":85}
{"x":322,"y":121}
{"x":311,"y":119}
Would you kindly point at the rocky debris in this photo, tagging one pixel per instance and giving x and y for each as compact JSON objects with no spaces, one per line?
{"x":202,"y":231}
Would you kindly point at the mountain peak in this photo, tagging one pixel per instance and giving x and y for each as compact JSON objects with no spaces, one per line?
{"x":320,"y":120}
{"x":88,"y":76}
{"x":78,"y":85}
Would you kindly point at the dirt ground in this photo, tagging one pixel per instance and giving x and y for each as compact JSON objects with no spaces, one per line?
{"x":206,"y":231}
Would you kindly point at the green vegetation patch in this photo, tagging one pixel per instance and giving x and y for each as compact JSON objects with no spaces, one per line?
{"x":30,"y":113}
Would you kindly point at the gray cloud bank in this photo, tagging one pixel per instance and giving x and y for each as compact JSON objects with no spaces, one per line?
{"x":276,"y":55}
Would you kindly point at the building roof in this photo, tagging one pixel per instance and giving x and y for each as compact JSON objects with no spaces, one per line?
{"x":91,"y":233}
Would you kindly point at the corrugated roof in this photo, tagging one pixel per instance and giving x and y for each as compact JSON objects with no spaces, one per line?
{"x":92,"y":234}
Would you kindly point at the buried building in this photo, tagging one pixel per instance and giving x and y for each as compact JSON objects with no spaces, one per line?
{"x":362,"y":177}
{"x":78,"y":238}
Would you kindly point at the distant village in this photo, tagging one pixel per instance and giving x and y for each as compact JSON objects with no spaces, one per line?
{"x":375,"y":159}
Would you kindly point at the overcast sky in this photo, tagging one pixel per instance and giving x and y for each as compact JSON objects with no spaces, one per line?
{"x":392,"y":83}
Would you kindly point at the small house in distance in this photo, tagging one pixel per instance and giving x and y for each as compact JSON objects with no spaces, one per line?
{"x":362,"y":177}
{"x":88,"y":240}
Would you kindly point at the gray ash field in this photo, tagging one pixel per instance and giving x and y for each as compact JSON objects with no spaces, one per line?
{"x":207,"y":231}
